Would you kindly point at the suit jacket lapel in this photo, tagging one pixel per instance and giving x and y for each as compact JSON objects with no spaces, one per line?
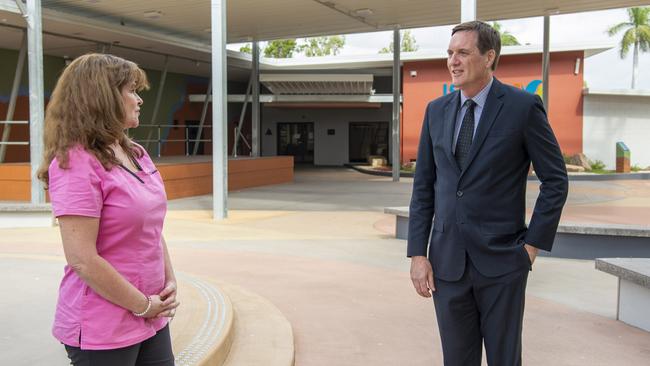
{"x":451,"y":111}
{"x":491,"y":109}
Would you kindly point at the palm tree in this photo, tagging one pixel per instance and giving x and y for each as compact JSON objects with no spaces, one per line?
{"x":507,"y":39}
{"x":637,"y":33}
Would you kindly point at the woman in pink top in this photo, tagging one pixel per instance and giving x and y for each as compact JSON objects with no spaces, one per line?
{"x":118,"y":289}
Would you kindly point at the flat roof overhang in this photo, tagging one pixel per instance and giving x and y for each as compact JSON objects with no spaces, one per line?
{"x":271,"y":98}
{"x":182,"y":29}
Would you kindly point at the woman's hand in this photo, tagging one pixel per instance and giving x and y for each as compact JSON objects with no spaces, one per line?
{"x":168,"y":295}
{"x":158,"y":307}
{"x":155,"y":308}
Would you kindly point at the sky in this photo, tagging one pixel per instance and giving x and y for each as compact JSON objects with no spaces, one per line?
{"x":603,"y":71}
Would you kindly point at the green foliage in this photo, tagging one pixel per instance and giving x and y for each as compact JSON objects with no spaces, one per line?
{"x":597,"y":165}
{"x":507,"y":39}
{"x":316,"y":46}
{"x":246,"y":48}
{"x":408,"y":44}
{"x":637,"y":30}
{"x":635,"y":168}
{"x":281,"y":48}
{"x":322,"y":46}
{"x":408,"y":168}
{"x":637,"y":34}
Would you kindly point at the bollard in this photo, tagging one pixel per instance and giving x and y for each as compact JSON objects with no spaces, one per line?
{"x":622,"y":158}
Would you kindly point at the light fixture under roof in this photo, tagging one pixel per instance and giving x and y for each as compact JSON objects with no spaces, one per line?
{"x":365,"y":12}
{"x":552,"y":11}
{"x":153,"y":14}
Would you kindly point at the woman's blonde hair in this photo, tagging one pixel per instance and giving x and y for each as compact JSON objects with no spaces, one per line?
{"x":86,"y":109}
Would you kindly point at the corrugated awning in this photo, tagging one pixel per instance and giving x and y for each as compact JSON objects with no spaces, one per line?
{"x":318,"y":84}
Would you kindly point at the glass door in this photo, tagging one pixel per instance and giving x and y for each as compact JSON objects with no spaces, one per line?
{"x":368,"y":138}
{"x":297,"y":139}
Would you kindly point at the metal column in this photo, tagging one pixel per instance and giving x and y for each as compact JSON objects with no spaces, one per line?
{"x":156,"y":105}
{"x":219,"y":112}
{"x":467,"y":10}
{"x":36,"y":98}
{"x":204,"y":113}
{"x":255,"y":120}
{"x":6,"y":131}
{"x":546,"y":60}
{"x":397,"y":159}
{"x":241,"y":116}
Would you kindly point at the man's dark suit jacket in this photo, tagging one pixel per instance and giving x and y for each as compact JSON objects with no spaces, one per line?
{"x":481,"y":210}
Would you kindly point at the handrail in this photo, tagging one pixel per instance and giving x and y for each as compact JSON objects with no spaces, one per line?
{"x":14,"y":143}
{"x":149,"y":125}
{"x":159,"y":141}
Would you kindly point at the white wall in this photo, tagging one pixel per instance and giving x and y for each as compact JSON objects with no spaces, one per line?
{"x":608,"y":119}
{"x":328,"y":149}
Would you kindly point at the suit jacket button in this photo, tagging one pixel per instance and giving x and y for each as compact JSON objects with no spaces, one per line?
{"x":459,"y":193}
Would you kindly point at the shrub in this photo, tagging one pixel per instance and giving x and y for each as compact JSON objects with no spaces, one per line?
{"x":597,"y":165}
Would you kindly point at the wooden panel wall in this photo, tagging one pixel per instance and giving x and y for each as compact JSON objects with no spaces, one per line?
{"x":181,"y":179}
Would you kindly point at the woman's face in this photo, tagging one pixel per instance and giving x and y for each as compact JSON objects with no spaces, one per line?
{"x":132,"y":103}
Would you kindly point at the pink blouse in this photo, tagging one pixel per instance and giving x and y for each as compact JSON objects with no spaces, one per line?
{"x":131,"y":207}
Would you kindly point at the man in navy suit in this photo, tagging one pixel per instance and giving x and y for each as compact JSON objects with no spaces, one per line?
{"x":475,"y":151}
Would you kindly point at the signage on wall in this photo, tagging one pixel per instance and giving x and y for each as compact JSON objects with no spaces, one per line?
{"x":534,"y":87}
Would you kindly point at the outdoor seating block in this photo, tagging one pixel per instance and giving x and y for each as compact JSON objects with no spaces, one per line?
{"x":378,"y":162}
{"x":622,"y":158}
{"x":13,"y":215}
{"x":633,"y":288}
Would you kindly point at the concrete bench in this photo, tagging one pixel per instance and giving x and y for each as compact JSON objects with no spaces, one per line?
{"x":573,"y":240}
{"x":18,"y":214}
{"x":633,"y":288}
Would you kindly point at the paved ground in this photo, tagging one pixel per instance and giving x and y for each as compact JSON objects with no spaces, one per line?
{"x":323,"y":252}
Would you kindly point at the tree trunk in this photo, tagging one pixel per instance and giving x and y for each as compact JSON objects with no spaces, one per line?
{"x":635,"y":64}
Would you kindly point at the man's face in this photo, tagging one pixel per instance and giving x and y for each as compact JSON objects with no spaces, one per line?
{"x":469,"y":69}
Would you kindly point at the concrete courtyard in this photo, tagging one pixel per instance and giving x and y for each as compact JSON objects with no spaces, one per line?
{"x":322,"y":250}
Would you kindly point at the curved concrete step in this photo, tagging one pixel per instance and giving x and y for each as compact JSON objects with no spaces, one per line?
{"x":263,"y":335}
{"x":222,"y":324}
{"x":202,"y":330}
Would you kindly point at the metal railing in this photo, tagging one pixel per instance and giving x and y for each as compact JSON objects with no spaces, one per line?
{"x":159,"y":141}
{"x":158,"y":128}
{"x":9,"y":123}
{"x":4,"y":141}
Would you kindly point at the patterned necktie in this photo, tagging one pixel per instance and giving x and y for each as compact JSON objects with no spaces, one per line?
{"x":464,"y":142}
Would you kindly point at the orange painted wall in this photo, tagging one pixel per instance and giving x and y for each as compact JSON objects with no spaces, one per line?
{"x":188,"y":112}
{"x":565,"y":112}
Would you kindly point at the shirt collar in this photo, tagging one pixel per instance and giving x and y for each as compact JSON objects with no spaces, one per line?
{"x":480,"y":97}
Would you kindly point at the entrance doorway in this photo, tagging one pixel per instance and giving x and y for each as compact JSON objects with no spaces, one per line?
{"x":297,"y":139}
{"x":368,"y":138}
{"x":193,"y":136}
